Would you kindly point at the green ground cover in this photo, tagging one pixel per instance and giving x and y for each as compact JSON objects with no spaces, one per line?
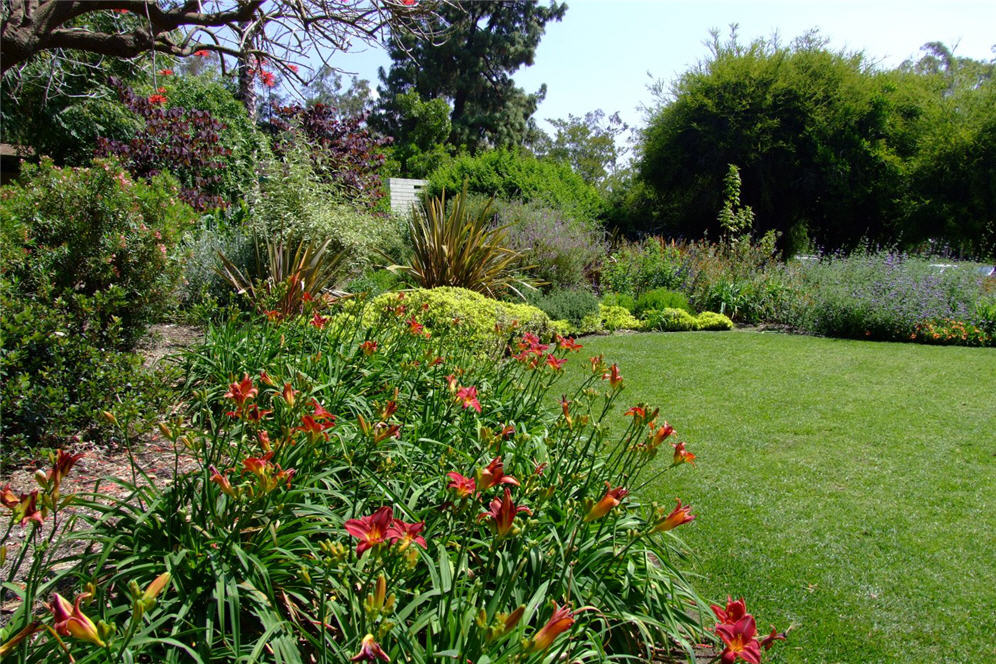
{"x":844,"y":487}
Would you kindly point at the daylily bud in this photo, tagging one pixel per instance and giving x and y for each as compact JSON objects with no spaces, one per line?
{"x":20,"y":636}
{"x":109,"y":416}
{"x":41,"y":478}
{"x":156,"y":586}
{"x":165,"y":430}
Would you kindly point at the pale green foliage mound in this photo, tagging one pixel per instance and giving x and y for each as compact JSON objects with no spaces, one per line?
{"x":471,"y":316}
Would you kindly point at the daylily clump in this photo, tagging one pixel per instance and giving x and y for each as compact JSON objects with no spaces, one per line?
{"x":351,"y":500}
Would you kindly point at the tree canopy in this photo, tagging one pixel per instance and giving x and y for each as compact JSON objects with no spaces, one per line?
{"x":829,"y":146}
{"x":486,"y":42}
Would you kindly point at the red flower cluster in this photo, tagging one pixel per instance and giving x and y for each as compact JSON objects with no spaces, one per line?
{"x":738,"y":631}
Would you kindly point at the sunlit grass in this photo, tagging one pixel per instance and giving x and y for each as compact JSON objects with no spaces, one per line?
{"x":846,"y":488}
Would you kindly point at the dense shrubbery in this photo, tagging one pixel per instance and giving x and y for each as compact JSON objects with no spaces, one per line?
{"x":294,"y":202}
{"x":569,"y":305}
{"x":393,"y":493}
{"x":517,"y":176}
{"x":88,"y":263}
{"x":565,"y":251}
{"x":882,"y":295}
{"x":660,"y":298}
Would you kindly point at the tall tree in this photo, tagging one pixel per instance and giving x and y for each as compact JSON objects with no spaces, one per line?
{"x":487,"y":41}
{"x":818,"y":137}
{"x":588,"y":144}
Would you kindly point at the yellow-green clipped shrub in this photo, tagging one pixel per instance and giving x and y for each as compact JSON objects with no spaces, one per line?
{"x":608,"y":318}
{"x":458,"y":311}
{"x":670,"y":320}
{"x":710,"y":320}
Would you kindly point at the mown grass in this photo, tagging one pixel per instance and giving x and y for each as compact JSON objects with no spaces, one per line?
{"x":847,"y":488}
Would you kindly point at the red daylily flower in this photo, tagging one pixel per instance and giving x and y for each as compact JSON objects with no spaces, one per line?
{"x":273,"y":315}
{"x":64,"y":461}
{"x":264,"y":440}
{"x":678,"y":516}
{"x":493,"y":475}
{"x":403,"y":534}
{"x":464,"y":486}
{"x":611,"y":499}
{"x":502,"y":512}
{"x":567,"y":343}
{"x":770,"y":639}
{"x":202,"y":53}
{"x":507,"y":431}
{"x":256,"y":414}
{"x":71,"y":621}
{"x":266,"y":379}
{"x":660,"y":434}
{"x":561,"y":621}
{"x":320,"y":412}
{"x":414,"y":326}
{"x":222,"y":481}
{"x":409,"y":3}
{"x":370,"y":530}
{"x":615,"y":380}
{"x":165,"y":72}
{"x":467,"y":396}
{"x":370,"y":651}
{"x":554,"y":363}
{"x":681,"y":455}
{"x":530,"y":345}
{"x":257,"y":465}
{"x":319,"y":321}
{"x":242,"y":391}
{"x":390,"y":408}
{"x":451,"y":383}
{"x":27,"y":509}
{"x":735,"y":610}
{"x":368,"y":347}
{"x":313,"y":426}
{"x":739,"y":639}
{"x":636,"y":411}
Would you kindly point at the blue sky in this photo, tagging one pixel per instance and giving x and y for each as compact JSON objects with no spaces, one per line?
{"x":599,"y":56}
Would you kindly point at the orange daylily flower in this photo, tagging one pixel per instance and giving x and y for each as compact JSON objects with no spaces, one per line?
{"x":611,"y":499}
{"x":493,"y":475}
{"x":681,"y":455}
{"x":559,"y":622}
{"x":678,"y":516}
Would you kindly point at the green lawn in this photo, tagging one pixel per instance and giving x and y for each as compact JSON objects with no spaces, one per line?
{"x":847,"y":488}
